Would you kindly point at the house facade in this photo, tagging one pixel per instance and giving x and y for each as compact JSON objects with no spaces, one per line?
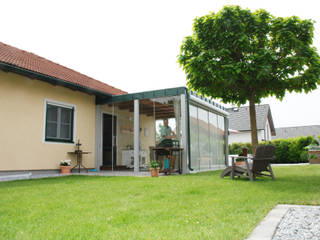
{"x":239,"y":124}
{"x":46,"y":108}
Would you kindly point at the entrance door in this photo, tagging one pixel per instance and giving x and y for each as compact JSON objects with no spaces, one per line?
{"x":109,"y":139}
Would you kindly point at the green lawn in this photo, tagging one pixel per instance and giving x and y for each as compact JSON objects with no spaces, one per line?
{"x":198,"y":206}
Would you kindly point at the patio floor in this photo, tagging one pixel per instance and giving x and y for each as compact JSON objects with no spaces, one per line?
{"x":47,"y":174}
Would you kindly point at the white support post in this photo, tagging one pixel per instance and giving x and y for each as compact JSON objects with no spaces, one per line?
{"x":98,"y":139}
{"x":184,"y":137}
{"x":136,"y":136}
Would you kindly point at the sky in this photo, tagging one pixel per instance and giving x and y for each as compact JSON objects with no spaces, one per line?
{"x":133,"y":45}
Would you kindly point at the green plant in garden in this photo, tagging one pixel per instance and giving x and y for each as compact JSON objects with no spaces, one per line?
{"x":237,"y":56}
{"x":154,"y":164}
{"x":65,"y":162}
{"x":313,"y":156}
{"x":291,"y":150}
{"x":304,"y":156}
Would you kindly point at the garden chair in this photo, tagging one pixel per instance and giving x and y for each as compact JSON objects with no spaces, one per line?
{"x":260,"y":164}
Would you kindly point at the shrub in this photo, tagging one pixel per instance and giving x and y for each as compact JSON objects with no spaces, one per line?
{"x":291,"y":150}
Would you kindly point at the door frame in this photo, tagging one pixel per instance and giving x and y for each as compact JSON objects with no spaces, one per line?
{"x":117,"y":128}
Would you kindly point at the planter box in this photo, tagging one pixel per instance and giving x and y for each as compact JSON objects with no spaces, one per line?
{"x":317,"y":153}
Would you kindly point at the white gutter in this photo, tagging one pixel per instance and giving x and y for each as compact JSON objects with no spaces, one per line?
{"x":208,"y":105}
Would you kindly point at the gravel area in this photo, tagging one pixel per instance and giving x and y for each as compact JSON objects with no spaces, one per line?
{"x":299,"y":223}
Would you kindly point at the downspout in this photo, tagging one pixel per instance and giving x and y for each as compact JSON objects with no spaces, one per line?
{"x":188,"y":123}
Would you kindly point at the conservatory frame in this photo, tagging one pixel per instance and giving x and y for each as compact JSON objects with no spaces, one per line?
{"x":136,"y":101}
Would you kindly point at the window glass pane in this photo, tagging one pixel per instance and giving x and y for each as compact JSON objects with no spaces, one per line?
{"x":214,"y":141}
{"x":123,"y":153}
{"x":221,"y":137}
{"x":59,"y":122}
{"x":52,"y":113}
{"x":51,"y":130}
{"x":204,"y":140}
{"x":167,"y":125}
{"x":194,"y":140}
{"x":65,"y":115}
{"x":65,"y":131}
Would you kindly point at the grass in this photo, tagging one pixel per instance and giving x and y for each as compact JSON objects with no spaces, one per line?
{"x":198,"y":206}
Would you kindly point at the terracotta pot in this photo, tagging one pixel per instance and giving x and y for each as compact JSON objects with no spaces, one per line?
{"x":65,"y":169}
{"x":154,"y":172}
{"x":240,"y":163}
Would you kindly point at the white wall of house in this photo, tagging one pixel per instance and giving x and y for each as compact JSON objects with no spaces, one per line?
{"x":244,"y":136}
{"x":267,"y":131}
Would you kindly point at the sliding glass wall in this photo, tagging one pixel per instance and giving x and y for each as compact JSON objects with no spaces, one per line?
{"x":207,"y":139}
{"x":159,"y":127}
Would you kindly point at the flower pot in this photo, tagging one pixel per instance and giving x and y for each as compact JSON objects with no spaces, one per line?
{"x":65,"y":169}
{"x":154,"y":172}
{"x":245,"y":152}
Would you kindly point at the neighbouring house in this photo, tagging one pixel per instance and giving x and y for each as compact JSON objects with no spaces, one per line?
{"x":298,"y":131}
{"x":239,"y":123}
{"x":46,"y":108}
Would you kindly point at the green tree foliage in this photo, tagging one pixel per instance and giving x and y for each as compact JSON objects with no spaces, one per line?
{"x":291,"y":150}
{"x":237,"y":56}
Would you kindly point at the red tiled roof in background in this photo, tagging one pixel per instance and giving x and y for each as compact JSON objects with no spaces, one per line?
{"x":32,"y":62}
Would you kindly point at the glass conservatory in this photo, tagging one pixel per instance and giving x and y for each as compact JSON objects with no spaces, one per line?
{"x":174,"y":125}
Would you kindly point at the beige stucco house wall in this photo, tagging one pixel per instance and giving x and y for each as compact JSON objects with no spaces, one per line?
{"x":22,"y":111}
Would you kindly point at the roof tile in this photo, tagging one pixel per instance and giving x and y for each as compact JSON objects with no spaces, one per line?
{"x":239,"y":118}
{"x":32,"y":62}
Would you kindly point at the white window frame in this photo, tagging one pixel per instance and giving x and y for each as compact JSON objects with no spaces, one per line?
{"x":64,"y":105}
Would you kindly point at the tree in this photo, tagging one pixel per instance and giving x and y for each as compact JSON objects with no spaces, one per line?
{"x":237,"y":56}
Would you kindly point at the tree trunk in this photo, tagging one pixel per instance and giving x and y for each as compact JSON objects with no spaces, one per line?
{"x":253,"y":124}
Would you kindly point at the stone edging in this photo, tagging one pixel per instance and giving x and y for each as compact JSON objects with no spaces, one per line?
{"x":267,"y":227}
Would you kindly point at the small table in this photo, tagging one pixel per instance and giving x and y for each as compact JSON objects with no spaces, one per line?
{"x":237,"y":170}
{"x":79,"y":154}
{"x":170,"y":151}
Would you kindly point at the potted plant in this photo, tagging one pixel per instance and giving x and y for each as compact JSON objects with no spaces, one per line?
{"x":154,"y":168}
{"x":65,"y":166}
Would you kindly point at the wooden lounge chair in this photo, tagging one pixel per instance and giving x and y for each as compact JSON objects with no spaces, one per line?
{"x":259,"y":167}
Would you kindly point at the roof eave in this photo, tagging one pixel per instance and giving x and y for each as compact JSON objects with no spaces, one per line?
{"x":53,"y":80}
{"x":144,"y":95}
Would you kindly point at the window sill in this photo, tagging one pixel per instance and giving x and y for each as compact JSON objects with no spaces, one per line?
{"x":58,"y":141}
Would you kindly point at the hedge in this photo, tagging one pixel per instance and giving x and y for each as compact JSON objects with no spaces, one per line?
{"x":291,"y":150}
